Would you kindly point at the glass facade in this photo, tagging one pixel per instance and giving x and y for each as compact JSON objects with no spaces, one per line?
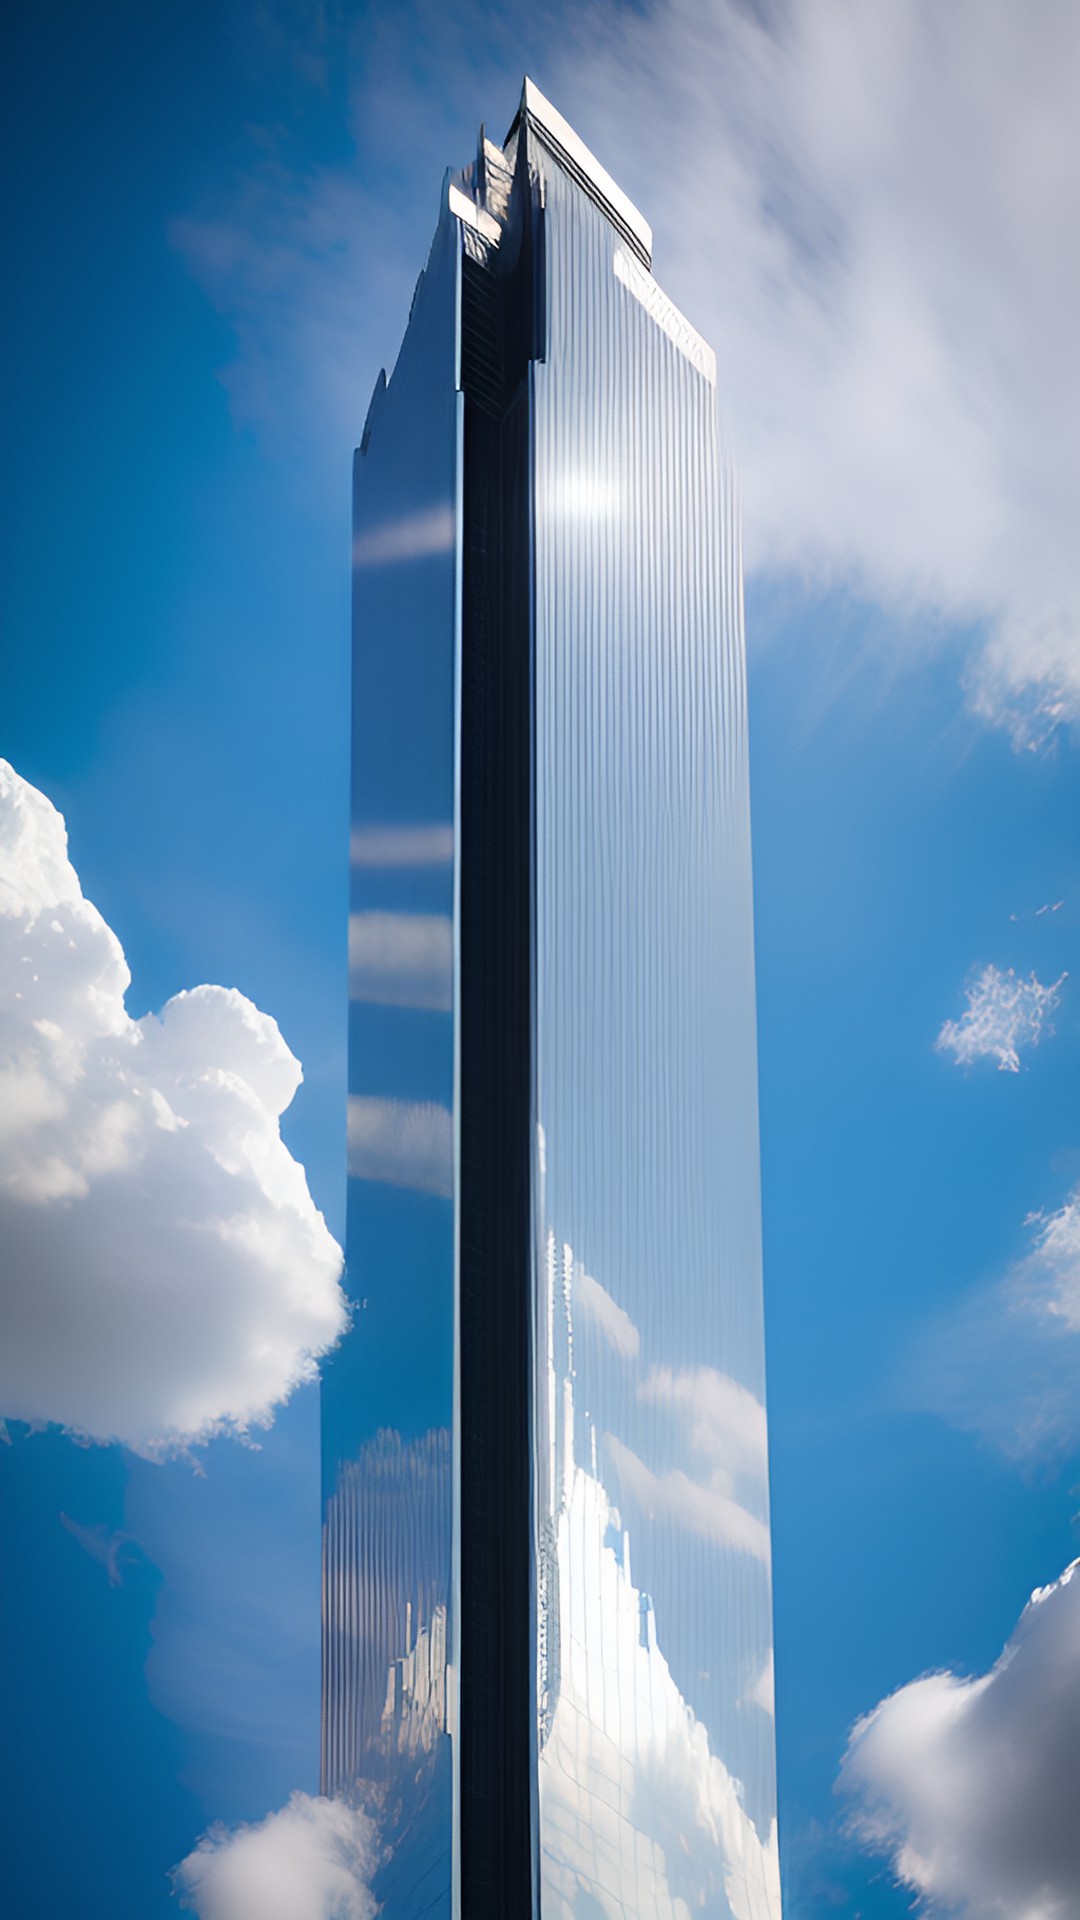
{"x":388,"y":1392}
{"x":548,"y":1655}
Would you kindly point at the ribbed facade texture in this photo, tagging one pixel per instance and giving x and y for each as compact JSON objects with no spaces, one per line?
{"x":547,"y":1610}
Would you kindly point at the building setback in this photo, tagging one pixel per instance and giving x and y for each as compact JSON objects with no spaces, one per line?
{"x":547,"y":1613}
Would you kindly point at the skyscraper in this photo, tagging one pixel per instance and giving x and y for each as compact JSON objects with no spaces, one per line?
{"x":547,"y":1613}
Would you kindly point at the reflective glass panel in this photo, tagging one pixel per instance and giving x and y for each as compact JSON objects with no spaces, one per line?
{"x":654,"y":1660}
{"x":553,"y":1115}
{"x":388,"y":1394}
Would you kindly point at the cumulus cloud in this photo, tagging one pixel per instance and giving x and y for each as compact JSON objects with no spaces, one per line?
{"x":405,"y":1143}
{"x":402,"y":959}
{"x":1003,"y":1014}
{"x":166,"y":1275}
{"x":623,"y":1780}
{"x":969,"y":1785}
{"x":312,"y":1860}
{"x":868,"y":211}
{"x":1006,"y":1365}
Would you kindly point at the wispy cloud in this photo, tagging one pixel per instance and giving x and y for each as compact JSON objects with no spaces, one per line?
{"x":409,"y":538}
{"x":1006,"y":1364}
{"x":426,"y":846}
{"x":1004,"y":1013}
{"x":868,"y":211}
{"x":166,"y":1274}
{"x":705,"y":1510}
{"x":402,"y":959}
{"x":763,"y":1692}
{"x":969,"y":1785}
{"x":406,"y":1143}
{"x":723,"y":1420}
{"x":312,"y":1860}
{"x":725,"y":1498}
{"x":605,"y":1313}
{"x":313,"y":263}
{"x":1051,"y":1272}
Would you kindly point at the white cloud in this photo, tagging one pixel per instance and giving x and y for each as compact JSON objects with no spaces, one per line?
{"x":724,"y":1421}
{"x":763,"y":1692}
{"x":1052,"y":1270}
{"x":724,"y":1425}
{"x":613,"y":1321}
{"x":1003,"y":1014}
{"x":427,"y":846}
{"x":969,"y":1785}
{"x":706,"y":1510}
{"x":1006,"y":1365}
{"x":165,"y":1273}
{"x":868,"y":211}
{"x":403,"y":1142}
{"x":310,"y":1861}
{"x":416,"y":534}
{"x":402,"y":959}
{"x":626,"y":1773}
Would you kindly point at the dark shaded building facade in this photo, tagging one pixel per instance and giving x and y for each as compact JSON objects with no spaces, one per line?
{"x":547,"y":1610}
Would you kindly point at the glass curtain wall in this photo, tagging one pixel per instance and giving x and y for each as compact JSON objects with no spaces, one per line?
{"x":547,"y":1639}
{"x":388,"y":1393}
{"x":656,"y":1790}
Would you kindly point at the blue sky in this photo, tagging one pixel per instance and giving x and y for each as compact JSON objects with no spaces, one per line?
{"x":222,"y":210}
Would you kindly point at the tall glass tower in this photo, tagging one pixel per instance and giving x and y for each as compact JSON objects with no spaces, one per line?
{"x":547,"y":1613}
